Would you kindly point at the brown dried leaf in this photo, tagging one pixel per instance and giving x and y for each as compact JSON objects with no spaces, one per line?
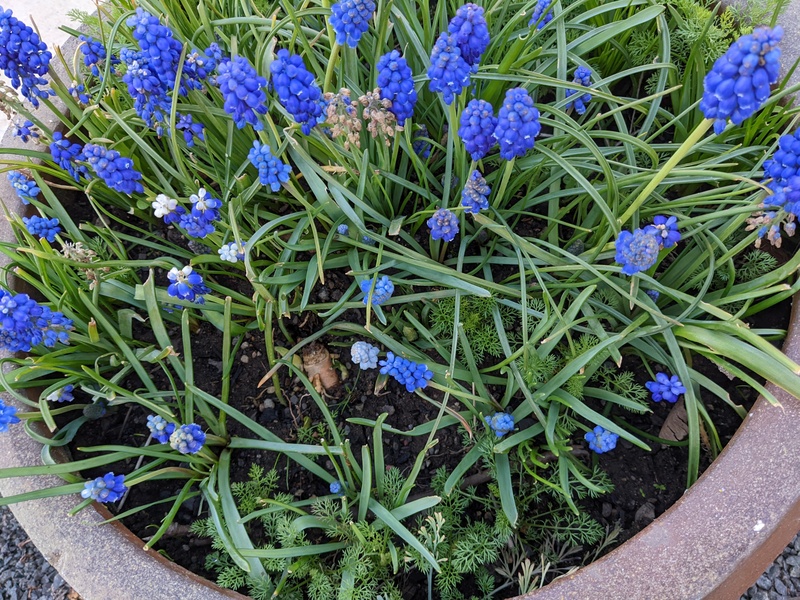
{"x":676,"y":426}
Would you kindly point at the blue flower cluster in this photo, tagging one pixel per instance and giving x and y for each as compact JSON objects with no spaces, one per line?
{"x":665,"y":229}
{"x":408,"y":373}
{"x":78,"y":92}
{"x":654,"y":294}
{"x":350,"y":20}
{"x":199,"y":222}
{"x":475,"y":195}
{"x":159,"y":48}
{"x":232,"y":252}
{"x":343,"y":229}
{"x":583,"y":76}
{"x":739,"y":82}
{"x":500,"y":423}
{"x":242,"y":91}
{"x":25,"y":188}
{"x":477,"y":125}
{"x":167,"y":208}
{"x":365,"y":355}
{"x":94,"y":53}
{"x":666,"y":388}
{"x":443,"y":225}
{"x":397,"y":85}
{"x":271,"y":171}
{"x":636,"y":251}
{"x":600,"y":440}
{"x":67,"y":155}
{"x":470,"y":32}
{"x":8,"y":416}
{"x":25,"y":324}
{"x":108,"y":488}
{"x":187,"y":439}
{"x":190,"y":129}
{"x":785,"y":161}
{"x":542,"y":8}
{"x":160,"y":428}
{"x":298,"y":92}
{"x":62,"y":395}
{"x":336,"y":487}
{"x":186,"y":284}
{"x":25,"y":130}
{"x":24,"y":58}
{"x":384,"y":288}
{"x":117,"y":171}
{"x":42,"y":227}
{"x":449,"y":73}
{"x":150,"y":96}
{"x":517,"y":124}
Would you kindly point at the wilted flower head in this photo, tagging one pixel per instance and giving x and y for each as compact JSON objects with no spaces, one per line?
{"x":739,"y":82}
{"x":379,"y":116}
{"x":601,"y":440}
{"x":341,"y":115}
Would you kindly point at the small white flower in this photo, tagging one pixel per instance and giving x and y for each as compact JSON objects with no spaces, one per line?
{"x":199,"y":199}
{"x":164,"y":205}
{"x":232,"y":252}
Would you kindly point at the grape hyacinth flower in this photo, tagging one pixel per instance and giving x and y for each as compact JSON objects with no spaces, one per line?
{"x":666,"y":230}
{"x":367,"y":240}
{"x":117,"y":171}
{"x":601,"y":440}
{"x":653,"y":294}
{"x":410,"y":374}
{"x":243,"y":91}
{"x":542,"y":7}
{"x":150,"y":94}
{"x":475,"y":195}
{"x":337,"y":487}
{"x":167,"y":208}
{"x":42,"y":227}
{"x":298,"y":92}
{"x":517,"y":124}
{"x":365,"y":355}
{"x":443,"y":225}
{"x":666,"y":388}
{"x":62,"y":395}
{"x":785,"y":162}
{"x":468,"y":28}
{"x":108,"y":488}
{"x":160,"y":429}
{"x":739,"y":82}
{"x":67,"y":155}
{"x":78,"y":93}
{"x":24,"y":324}
{"x":25,"y":188}
{"x":420,"y":146}
{"x":25,"y":130}
{"x":343,"y":229}
{"x":449,"y":73}
{"x":190,"y":129}
{"x":187,"y":439}
{"x":205,"y":206}
{"x":24,"y":58}
{"x":94,"y":53}
{"x":8,"y":416}
{"x":397,"y":85}
{"x":636,"y":251}
{"x":384,"y":288}
{"x":271,"y":171}
{"x":477,"y":125}
{"x":232,"y":252}
{"x":583,"y":76}
{"x":350,"y":20}
{"x":500,"y":423}
{"x":187,"y":285}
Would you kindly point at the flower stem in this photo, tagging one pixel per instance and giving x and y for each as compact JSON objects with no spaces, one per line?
{"x":679,"y":155}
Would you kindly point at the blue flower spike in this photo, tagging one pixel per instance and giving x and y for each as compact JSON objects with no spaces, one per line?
{"x":578,"y":100}
{"x":24,"y":58}
{"x":25,"y":188}
{"x":517,"y":124}
{"x":500,"y":423}
{"x":476,"y":128}
{"x":449,"y":73}
{"x":397,"y":85}
{"x":470,"y":31}
{"x":384,"y":288}
{"x":24,"y":324}
{"x":243,"y":91}
{"x":42,"y":227}
{"x":117,"y":171}
{"x":296,"y":89}
{"x":186,"y":284}
{"x":160,"y":428}
{"x":350,"y":20}
{"x":739,"y":82}
{"x":108,"y":488}
{"x":666,"y":387}
{"x":665,"y":229}
{"x":271,"y":171}
{"x":8,"y":416}
{"x":475,"y":195}
{"x":542,"y":8}
{"x":443,"y":225}
{"x":62,"y":395}
{"x":637,"y":251}
{"x":412,"y":375}
{"x":187,"y":439}
{"x":337,"y":488}
{"x":365,"y":355}
{"x":600,"y":440}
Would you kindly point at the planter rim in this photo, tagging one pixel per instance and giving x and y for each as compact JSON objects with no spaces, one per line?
{"x":713,"y":543}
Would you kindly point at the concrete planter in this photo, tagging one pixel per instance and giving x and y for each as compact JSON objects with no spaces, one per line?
{"x":713,"y":543}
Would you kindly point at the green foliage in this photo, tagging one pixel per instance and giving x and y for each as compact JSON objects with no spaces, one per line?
{"x":477,"y":316}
